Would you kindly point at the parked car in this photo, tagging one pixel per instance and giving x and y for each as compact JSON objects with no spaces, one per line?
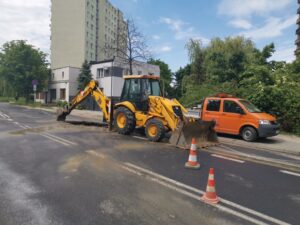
{"x":239,"y":117}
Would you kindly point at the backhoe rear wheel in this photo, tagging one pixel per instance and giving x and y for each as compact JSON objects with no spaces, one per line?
{"x":155,"y":130}
{"x":124,"y":120}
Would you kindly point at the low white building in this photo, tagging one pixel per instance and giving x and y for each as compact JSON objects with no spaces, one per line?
{"x":63,"y":84}
{"x":109,"y":74}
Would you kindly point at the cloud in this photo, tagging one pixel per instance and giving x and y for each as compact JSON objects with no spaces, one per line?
{"x":183,"y":30}
{"x":156,"y":37}
{"x":165,"y":49}
{"x":284,"y":53}
{"x":273,"y":27}
{"x":240,"y":23}
{"x":247,"y":8}
{"x":162,"y":49}
{"x":27,"y":20}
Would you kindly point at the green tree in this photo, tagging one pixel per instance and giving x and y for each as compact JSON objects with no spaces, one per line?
{"x":20,"y":64}
{"x":180,"y":89}
{"x":196,"y":55}
{"x":226,"y":60}
{"x":85,"y":76}
{"x":165,"y":75}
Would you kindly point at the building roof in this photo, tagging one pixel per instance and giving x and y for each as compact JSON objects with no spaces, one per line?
{"x":142,"y":76}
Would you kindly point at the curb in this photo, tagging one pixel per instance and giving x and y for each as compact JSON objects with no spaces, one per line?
{"x":259,"y":159}
{"x":261,"y":148}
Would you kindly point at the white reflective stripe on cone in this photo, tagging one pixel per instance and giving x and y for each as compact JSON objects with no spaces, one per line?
{"x":211,"y":177}
{"x":192,"y":158}
{"x":193,"y":147}
{"x":210,"y":189}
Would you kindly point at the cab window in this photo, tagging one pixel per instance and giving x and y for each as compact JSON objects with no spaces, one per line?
{"x":213,"y":105}
{"x":231,"y":107}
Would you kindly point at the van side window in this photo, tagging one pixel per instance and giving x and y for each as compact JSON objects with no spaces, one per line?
{"x":231,"y":107}
{"x":213,"y":105}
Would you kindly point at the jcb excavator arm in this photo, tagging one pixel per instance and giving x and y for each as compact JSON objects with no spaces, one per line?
{"x":93,"y":90}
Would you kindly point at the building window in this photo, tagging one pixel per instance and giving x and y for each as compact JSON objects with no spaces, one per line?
{"x":100,"y":73}
{"x":63,"y":75}
{"x":62,"y":94}
{"x":52,"y":76}
{"x":106,"y":72}
{"x":140,"y":72}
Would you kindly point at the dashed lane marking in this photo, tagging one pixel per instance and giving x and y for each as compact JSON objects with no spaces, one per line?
{"x":49,"y":136}
{"x":227,"y":158}
{"x":56,"y":140}
{"x":290,"y":173}
{"x":61,"y":139}
{"x":182,"y":188}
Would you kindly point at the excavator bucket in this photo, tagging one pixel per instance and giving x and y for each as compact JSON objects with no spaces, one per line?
{"x":61,"y":115}
{"x":202,"y":131}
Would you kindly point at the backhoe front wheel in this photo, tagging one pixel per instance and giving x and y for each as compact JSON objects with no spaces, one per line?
{"x":124,"y":120}
{"x":155,"y":130}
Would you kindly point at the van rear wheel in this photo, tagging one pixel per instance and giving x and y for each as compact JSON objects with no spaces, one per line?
{"x":249,"y":134}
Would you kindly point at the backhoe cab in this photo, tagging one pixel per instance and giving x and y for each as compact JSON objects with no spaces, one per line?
{"x":142,"y":105}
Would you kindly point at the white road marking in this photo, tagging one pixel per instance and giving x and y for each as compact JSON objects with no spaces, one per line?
{"x":200,"y":192}
{"x":61,"y":139}
{"x":224,"y":157}
{"x":290,"y":173}
{"x":142,"y":138}
{"x":56,"y":140}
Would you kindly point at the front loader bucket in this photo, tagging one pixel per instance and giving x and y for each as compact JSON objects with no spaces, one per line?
{"x":61,"y":115}
{"x":202,"y":131}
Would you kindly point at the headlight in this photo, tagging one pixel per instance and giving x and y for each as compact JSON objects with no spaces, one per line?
{"x":264,"y":122}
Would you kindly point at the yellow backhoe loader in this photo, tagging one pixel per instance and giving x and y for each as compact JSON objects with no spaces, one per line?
{"x":142,"y":105}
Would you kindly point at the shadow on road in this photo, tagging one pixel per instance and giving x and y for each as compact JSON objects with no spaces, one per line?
{"x":87,"y":123}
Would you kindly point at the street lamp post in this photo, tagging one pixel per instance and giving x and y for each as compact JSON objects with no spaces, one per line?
{"x":111,"y":96}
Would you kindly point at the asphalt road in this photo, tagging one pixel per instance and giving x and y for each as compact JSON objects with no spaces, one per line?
{"x":61,"y":173}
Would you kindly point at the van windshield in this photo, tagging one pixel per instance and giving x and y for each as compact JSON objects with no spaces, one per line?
{"x":250,"y":107}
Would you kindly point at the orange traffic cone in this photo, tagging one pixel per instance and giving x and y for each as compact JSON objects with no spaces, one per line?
{"x":192,"y":162}
{"x":210,"y":196}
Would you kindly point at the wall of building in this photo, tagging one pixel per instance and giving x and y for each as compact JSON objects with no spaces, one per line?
{"x":64,"y":78}
{"x":67,"y":33}
{"x":80,"y":29}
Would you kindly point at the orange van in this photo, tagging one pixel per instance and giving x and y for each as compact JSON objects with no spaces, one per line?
{"x":239,"y":117}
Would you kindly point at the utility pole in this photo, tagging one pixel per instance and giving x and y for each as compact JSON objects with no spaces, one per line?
{"x":111,"y":108}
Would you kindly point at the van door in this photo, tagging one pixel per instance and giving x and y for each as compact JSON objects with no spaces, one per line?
{"x":212,"y":111}
{"x":232,"y":117}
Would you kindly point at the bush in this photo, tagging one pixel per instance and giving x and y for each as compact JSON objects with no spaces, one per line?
{"x":61,"y":104}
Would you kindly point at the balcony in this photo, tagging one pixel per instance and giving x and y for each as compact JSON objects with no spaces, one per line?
{"x":298,"y":11}
{"x":297,"y":42}
{"x":298,"y":20}
{"x":298,"y":31}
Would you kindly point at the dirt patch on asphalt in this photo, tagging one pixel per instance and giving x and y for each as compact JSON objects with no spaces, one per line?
{"x":91,"y":159}
{"x":131,"y":146}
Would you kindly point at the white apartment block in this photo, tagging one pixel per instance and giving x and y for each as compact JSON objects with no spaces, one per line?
{"x":80,"y":30}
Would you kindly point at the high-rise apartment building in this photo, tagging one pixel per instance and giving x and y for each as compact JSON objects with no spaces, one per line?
{"x":83,"y":30}
{"x":297,"y":42}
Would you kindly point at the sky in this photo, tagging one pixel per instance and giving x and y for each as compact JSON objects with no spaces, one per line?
{"x":169,"y":24}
